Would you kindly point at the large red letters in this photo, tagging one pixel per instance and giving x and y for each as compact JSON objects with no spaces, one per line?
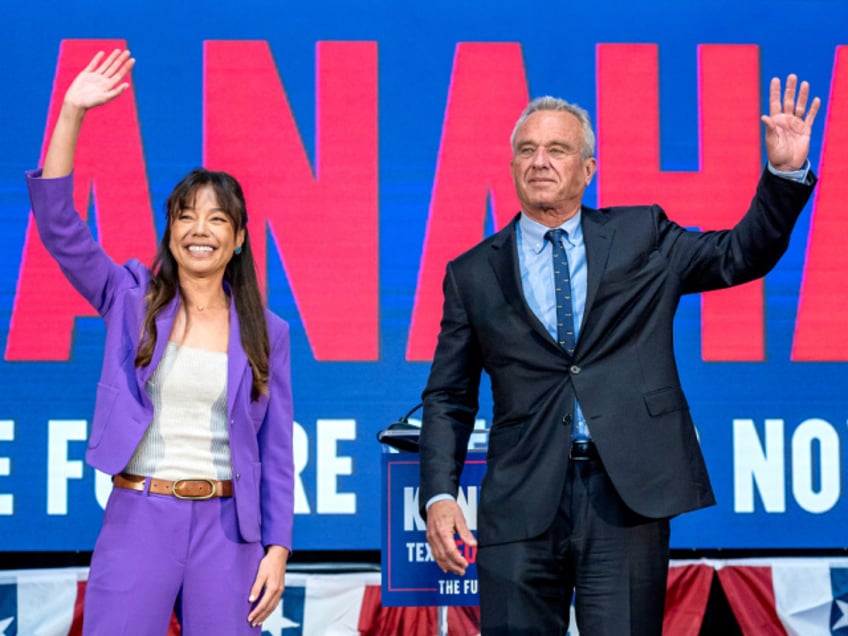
{"x":109,"y":168}
{"x":324,"y":219}
{"x":820,"y":328}
{"x":716,"y":196}
{"x":488,"y":92}
{"x":325,"y":225}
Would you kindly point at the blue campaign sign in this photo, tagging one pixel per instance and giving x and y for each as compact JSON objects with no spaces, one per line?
{"x":410,"y":575}
{"x":372,"y":141}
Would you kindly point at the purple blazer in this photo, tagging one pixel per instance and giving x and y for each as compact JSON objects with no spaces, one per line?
{"x":260,"y":432}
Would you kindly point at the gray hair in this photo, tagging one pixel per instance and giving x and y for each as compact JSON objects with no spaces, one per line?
{"x":560,"y":105}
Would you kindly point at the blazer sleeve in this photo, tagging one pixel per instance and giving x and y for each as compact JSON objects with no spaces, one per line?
{"x":69,"y":241}
{"x":275,"y":445}
{"x":719,"y":259}
{"x":450,"y":397}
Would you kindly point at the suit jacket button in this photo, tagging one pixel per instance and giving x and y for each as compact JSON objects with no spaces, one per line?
{"x":574,"y":369}
{"x":566,"y":419}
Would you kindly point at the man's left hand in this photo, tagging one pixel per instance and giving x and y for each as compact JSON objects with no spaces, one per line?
{"x":788,"y":124}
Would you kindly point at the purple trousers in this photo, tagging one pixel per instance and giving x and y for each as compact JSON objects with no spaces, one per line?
{"x":153,"y":548}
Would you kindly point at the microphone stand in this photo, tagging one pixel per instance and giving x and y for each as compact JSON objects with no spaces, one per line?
{"x":401,"y":434}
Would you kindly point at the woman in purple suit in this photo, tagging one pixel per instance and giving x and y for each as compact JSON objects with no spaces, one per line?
{"x":193,"y":414}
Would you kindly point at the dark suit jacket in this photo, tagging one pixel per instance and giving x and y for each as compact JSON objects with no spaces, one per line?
{"x":623,"y":371}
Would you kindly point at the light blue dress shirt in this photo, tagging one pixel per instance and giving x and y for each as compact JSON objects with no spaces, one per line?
{"x":535,"y":263}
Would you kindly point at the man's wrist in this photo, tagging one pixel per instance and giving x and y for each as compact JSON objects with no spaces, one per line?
{"x":441,"y":497}
{"x":799,"y":176}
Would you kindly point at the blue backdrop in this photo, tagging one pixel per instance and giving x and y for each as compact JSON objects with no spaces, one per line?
{"x":773,"y":428}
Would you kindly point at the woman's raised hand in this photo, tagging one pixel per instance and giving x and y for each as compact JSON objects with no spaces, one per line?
{"x":101,"y":81}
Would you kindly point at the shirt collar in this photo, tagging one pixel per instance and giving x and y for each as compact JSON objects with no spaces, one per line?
{"x":533,"y":232}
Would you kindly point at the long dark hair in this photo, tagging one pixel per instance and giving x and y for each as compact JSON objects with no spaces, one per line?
{"x":240,"y":274}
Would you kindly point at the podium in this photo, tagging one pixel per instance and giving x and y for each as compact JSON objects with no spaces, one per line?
{"x":410,"y":576}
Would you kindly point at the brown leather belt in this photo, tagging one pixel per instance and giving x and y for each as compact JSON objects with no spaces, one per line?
{"x":193,"y":489}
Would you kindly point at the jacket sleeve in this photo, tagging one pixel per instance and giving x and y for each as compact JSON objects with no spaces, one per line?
{"x":69,"y":241}
{"x":719,"y":259}
{"x":275,"y":446}
{"x":450,"y":398}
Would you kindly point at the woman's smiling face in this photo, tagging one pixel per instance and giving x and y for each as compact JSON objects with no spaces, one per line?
{"x":203,"y":237}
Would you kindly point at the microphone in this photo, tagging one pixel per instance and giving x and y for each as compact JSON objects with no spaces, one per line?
{"x":401,"y":434}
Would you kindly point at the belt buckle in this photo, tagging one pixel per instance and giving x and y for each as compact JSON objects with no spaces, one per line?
{"x":193,"y":497}
{"x":579,"y":451}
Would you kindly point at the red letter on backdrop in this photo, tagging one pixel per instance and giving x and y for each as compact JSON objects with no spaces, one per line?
{"x":110,"y":165}
{"x":714,"y":197}
{"x":823,"y":304}
{"x":487,"y":94}
{"x":325,"y":225}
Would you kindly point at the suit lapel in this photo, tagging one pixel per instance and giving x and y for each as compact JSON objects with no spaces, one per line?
{"x":504,"y":262}
{"x":597,"y":238}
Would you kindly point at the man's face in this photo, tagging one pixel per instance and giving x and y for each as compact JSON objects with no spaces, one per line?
{"x":550,"y":175}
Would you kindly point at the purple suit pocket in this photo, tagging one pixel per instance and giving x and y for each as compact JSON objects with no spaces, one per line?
{"x":103,"y":405}
{"x":248,"y":503}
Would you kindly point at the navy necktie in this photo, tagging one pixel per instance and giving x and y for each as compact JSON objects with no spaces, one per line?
{"x":562,"y":287}
{"x":565,"y":312}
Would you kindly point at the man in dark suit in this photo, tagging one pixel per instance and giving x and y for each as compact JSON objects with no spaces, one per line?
{"x":592,"y":449}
